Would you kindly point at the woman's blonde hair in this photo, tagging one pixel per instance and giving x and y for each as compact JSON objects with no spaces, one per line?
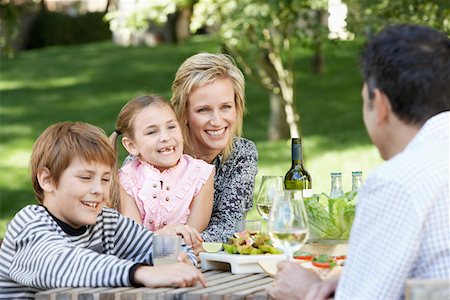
{"x":203,"y":69}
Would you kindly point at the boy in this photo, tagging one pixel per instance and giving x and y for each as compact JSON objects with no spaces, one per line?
{"x":70,"y":240}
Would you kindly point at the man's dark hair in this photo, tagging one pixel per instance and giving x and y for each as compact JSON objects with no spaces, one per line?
{"x":411,"y":65}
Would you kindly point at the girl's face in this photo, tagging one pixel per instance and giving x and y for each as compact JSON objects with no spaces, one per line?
{"x":157,"y":137}
{"x":211,"y":116}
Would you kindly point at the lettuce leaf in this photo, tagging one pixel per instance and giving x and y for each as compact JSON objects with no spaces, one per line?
{"x":330,"y":218}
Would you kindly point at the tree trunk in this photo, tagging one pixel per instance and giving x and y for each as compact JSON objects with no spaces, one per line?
{"x":318,"y":61}
{"x":182,"y":24}
{"x":278,"y":128}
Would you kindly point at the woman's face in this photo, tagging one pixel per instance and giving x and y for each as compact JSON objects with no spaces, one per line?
{"x":211,"y":116}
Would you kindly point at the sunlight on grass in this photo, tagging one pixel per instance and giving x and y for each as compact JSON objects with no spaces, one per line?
{"x":3,"y":223}
{"x":43,"y":84}
{"x":17,"y":159}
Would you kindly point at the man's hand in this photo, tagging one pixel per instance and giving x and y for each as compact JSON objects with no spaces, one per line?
{"x":190,"y":235}
{"x":173,"y":275}
{"x":323,"y":290}
{"x":293,"y":281}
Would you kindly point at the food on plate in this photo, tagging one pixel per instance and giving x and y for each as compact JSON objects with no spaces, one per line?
{"x":248,"y":243}
{"x":212,"y":247}
{"x":330,"y":218}
{"x":324,"y":262}
{"x":307,"y":256}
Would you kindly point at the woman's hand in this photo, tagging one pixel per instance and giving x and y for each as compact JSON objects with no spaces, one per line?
{"x":173,"y":275}
{"x":190,"y":235}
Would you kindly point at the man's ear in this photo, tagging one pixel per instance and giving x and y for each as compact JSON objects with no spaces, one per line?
{"x":129,"y":145}
{"x":45,"y":180}
{"x":382,"y":105}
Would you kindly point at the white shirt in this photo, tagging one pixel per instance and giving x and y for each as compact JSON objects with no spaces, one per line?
{"x":401,"y":229}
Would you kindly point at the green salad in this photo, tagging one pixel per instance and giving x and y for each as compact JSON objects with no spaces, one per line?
{"x":250,"y":244}
{"x":330,"y":218}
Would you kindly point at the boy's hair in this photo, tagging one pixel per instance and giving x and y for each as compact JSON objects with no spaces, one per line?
{"x":199,"y":70}
{"x":411,"y":65}
{"x":60,"y":143}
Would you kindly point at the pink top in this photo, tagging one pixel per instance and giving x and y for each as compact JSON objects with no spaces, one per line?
{"x":164,"y":197}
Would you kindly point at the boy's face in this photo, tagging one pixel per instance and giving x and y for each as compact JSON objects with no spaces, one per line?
{"x":82,"y":190}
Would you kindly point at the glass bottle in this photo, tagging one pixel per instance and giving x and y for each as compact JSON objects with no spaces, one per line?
{"x":356,"y":181}
{"x":298,"y":178}
{"x":336,"y":185}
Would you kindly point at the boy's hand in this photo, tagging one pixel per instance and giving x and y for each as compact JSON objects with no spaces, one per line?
{"x":190,"y":235}
{"x":173,"y":275}
{"x":183,"y":258}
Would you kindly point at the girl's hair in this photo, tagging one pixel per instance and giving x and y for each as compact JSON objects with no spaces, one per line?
{"x":124,"y":126}
{"x":60,"y":143}
{"x":203,"y":69}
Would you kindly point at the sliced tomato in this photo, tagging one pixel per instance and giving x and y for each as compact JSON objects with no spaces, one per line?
{"x":341,"y":257}
{"x":324,"y":262}
{"x":304,"y":257}
{"x":324,"y":265}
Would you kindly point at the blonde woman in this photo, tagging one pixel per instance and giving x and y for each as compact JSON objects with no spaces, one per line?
{"x":208,"y":99}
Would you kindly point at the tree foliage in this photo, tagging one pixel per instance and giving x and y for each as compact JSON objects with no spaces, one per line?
{"x":371,"y":16}
{"x":260,"y":35}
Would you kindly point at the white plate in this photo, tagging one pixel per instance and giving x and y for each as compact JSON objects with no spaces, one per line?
{"x":238,"y":263}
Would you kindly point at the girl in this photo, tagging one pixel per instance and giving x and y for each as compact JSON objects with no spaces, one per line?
{"x":161,"y":186}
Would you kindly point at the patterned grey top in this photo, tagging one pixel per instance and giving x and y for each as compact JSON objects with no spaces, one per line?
{"x":234,"y":182}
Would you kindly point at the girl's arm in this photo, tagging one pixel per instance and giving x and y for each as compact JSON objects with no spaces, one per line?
{"x":201,"y":206}
{"x":128,"y":207}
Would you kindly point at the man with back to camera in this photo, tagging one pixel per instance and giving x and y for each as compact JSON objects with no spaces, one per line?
{"x":401,"y":229}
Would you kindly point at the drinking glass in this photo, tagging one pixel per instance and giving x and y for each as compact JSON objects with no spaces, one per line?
{"x":270,"y":185}
{"x":288,"y":222}
{"x":252,"y":226}
{"x":166,"y":249}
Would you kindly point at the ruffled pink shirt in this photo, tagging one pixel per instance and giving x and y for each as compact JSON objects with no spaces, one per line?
{"x":164,"y":197}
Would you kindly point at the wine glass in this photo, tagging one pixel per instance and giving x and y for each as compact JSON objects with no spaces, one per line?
{"x":270,"y":185}
{"x":288,"y":222}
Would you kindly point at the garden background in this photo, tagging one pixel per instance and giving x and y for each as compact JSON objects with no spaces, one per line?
{"x":91,"y":82}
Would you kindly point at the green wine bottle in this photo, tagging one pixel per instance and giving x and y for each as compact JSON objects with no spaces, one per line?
{"x":297,"y":178}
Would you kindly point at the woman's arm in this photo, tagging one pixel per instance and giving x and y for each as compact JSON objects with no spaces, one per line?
{"x":128,"y":207}
{"x":201,"y":206}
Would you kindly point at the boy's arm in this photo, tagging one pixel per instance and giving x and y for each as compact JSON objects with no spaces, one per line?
{"x":46,"y":260}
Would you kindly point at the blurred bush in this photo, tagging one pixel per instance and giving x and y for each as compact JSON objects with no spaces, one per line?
{"x":54,"y":28}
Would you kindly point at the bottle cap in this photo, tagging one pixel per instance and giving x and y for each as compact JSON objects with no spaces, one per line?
{"x":336,"y":174}
{"x":357,"y":173}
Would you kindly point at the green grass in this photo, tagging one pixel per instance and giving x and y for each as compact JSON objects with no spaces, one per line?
{"x":92,"y":82}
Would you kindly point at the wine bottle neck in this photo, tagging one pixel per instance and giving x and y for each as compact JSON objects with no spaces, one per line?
{"x":297,"y":154}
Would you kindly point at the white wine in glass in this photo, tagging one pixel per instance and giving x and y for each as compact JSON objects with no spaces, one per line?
{"x":270,"y":185}
{"x":288,"y":222}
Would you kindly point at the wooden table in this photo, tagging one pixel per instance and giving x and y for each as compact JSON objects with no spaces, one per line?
{"x":221,"y":285}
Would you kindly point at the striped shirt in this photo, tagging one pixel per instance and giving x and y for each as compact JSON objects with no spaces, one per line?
{"x":401,"y":229}
{"x":40,"y":252}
